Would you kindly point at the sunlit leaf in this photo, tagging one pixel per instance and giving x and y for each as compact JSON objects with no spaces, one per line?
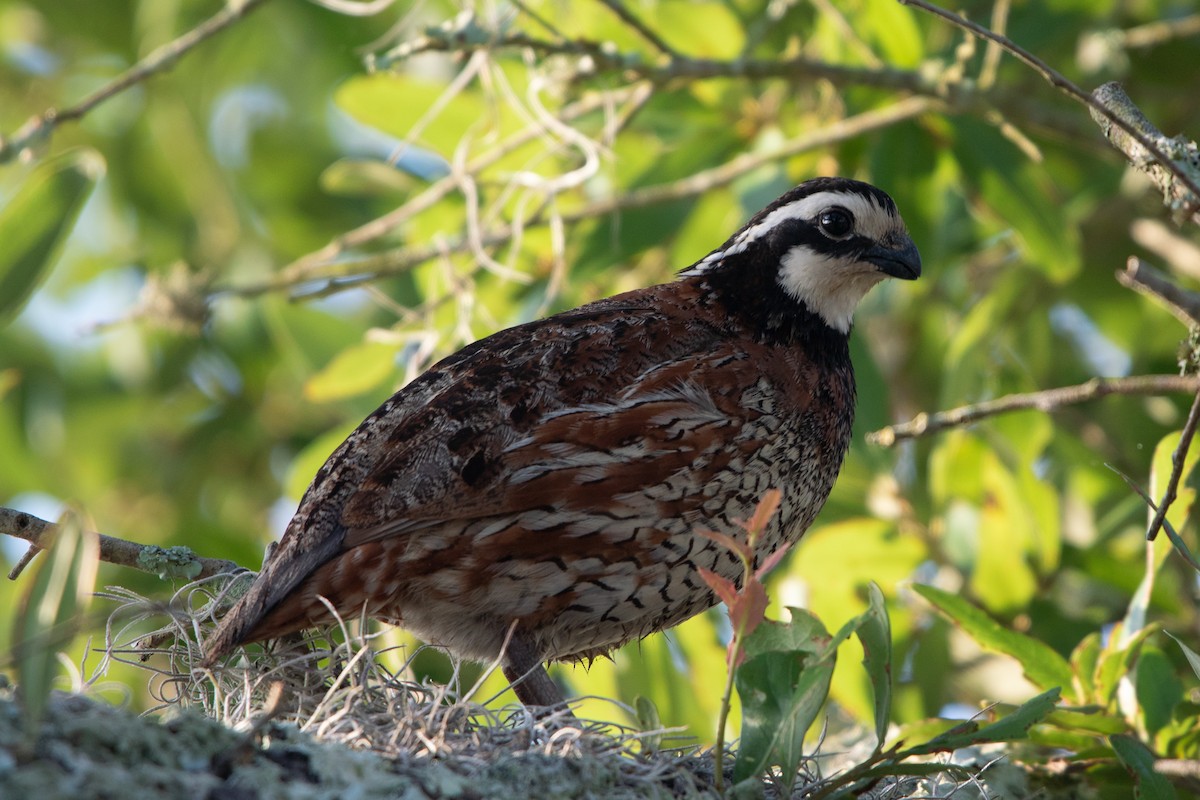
{"x":1094,"y":720}
{"x":1042,"y":665}
{"x":386,"y":100}
{"x":1084,"y":659}
{"x":36,"y":221}
{"x":306,"y":463}
{"x":356,"y":370}
{"x":1117,"y":659}
{"x":1002,"y":576}
{"x":356,"y":177}
{"x":892,"y":29}
{"x":707,"y":30}
{"x":1185,"y":494}
{"x":1013,"y":726}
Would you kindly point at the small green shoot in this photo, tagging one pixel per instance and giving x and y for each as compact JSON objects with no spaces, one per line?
{"x":50,"y":612}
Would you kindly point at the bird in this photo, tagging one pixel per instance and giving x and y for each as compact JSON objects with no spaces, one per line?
{"x":539,"y":495}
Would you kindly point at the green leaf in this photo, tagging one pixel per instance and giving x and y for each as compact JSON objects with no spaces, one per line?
{"x":375,"y":100}
{"x":1093,"y":719}
{"x":875,"y":633}
{"x":306,"y":463}
{"x":892,"y":29}
{"x":649,"y":722}
{"x":1139,"y":761}
{"x":49,"y":615}
{"x":1013,"y":726}
{"x":1185,"y":495}
{"x":705,"y":30}
{"x":1193,"y":658}
{"x":782,"y":687}
{"x":1021,"y":195}
{"x":1002,"y":578}
{"x":781,"y":693}
{"x":1042,"y":665}
{"x":803,"y":634}
{"x":356,"y":370}
{"x":1084,"y":659}
{"x":35,"y":223}
{"x":1116,"y":660}
{"x":356,"y":177}
{"x":1157,"y":687}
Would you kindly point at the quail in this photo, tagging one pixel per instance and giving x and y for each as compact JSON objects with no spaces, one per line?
{"x":536,"y":496}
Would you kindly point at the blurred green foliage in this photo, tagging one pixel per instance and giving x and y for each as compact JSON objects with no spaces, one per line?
{"x":184,"y":368}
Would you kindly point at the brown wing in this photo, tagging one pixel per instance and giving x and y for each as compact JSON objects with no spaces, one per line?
{"x":606,"y":458}
{"x":448,"y":443}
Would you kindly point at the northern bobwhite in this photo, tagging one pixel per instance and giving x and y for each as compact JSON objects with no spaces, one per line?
{"x":548,"y":481}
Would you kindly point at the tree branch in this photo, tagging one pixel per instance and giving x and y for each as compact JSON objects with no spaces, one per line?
{"x":650,"y":35}
{"x":464,"y":36}
{"x":169,"y":562}
{"x":1098,"y":104}
{"x":1173,"y":164}
{"x":40,"y":127}
{"x":346,"y":274}
{"x":1143,"y":278}
{"x":1047,"y":400}
{"x":1178,"y":459}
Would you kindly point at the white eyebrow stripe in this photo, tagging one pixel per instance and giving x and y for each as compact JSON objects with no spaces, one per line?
{"x":870,"y":220}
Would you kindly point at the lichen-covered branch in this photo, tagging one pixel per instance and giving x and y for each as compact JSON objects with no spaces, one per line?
{"x":1105,"y":105}
{"x":166,"y":562}
{"x":1173,"y":164}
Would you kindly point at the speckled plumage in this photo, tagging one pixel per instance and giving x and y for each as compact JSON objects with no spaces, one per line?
{"x":553,"y":475}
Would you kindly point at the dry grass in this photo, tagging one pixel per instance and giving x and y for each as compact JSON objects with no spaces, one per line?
{"x":333,"y":686}
{"x":323,"y":711}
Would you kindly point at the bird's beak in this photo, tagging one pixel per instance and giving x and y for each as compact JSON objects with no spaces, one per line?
{"x":901,"y":260}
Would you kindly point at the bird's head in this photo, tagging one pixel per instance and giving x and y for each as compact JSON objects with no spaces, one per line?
{"x":823,"y":244}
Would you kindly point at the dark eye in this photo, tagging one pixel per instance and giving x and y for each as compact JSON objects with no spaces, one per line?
{"x":836,"y":223}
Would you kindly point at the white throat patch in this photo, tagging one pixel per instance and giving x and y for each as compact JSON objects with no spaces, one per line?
{"x":830,"y":287}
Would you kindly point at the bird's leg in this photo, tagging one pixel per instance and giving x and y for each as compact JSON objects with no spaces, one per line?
{"x":525,"y":673}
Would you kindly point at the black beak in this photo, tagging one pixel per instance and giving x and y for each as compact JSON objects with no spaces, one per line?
{"x":902,"y":261}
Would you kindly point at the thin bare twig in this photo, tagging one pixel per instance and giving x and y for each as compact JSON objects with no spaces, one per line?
{"x":1180,"y":545}
{"x":297,"y":271}
{"x":147,"y":558}
{"x":1177,"y":461}
{"x":1057,"y":79}
{"x":1046,"y":400}
{"x":647,"y":33}
{"x":346,"y":274}
{"x":1179,"y":253}
{"x":40,"y":127}
{"x":1143,"y":278}
{"x":466,"y":37}
{"x":1160,"y":31}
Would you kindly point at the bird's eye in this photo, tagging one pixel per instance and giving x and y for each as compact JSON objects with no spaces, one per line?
{"x":836,"y":223}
